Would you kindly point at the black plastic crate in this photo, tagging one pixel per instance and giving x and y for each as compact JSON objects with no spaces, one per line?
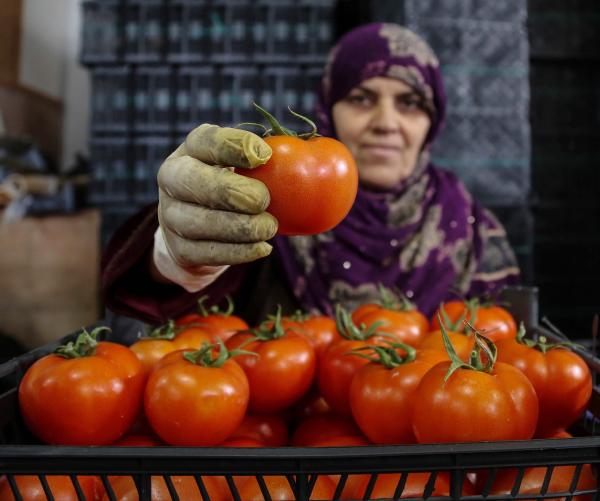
{"x":153,"y":98}
{"x":188,"y":38}
{"x":196,"y":97}
{"x":21,"y":454}
{"x":145,"y":29}
{"x":111,"y":99}
{"x":102,"y":38}
{"x":148,"y":155}
{"x":111,"y":173}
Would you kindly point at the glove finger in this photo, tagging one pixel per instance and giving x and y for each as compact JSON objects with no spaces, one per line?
{"x":195,"y":222}
{"x":191,"y":180}
{"x":192,"y":253}
{"x":216,"y":145}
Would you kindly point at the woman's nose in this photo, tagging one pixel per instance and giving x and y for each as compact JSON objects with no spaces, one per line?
{"x":386,"y":118}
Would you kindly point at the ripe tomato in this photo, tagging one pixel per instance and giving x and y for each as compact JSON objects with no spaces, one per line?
{"x":470,"y":403}
{"x":282,"y":372}
{"x":31,"y":489}
{"x":416,"y":483}
{"x":316,"y":429}
{"x":124,"y":489}
{"x":168,"y":338}
{"x":561,"y":378}
{"x":270,"y":429}
{"x":321,"y":331}
{"x":279,"y":489}
{"x":397,"y":315}
{"x":199,"y":399}
{"x":317,"y":174}
{"x":533,"y":480}
{"x":382,"y":392}
{"x":86,"y":393}
{"x":461,"y":342}
{"x":221,"y":324}
{"x":491,"y":320}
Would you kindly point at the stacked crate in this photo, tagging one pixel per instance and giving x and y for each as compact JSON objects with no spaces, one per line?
{"x":161,"y":67}
{"x":565,"y":120}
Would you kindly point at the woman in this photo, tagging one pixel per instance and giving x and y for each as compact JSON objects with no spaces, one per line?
{"x":413,"y":226}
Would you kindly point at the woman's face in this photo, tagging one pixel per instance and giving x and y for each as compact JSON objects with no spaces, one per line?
{"x":383,"y":124}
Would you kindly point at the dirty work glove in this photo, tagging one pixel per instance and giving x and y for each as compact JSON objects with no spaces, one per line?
{"x":209,"y":216}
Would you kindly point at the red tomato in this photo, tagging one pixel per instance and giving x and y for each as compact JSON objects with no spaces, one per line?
{"x":406,"y":325}
{"x":321,"y":331}
{"x":561,"y":378}
{"x":196,"y":403}
{"x":62,"y":488}
{"x":473,"y":405}
{"x":318,"y":175}
{"x":493,"y":321}
{"x":270,"y":429}
{"x":282,"y":372}
{"x":415,"y":486}
{"x":382,"y":393}
{"x":317,"y":429}
{"x":462,"y":343}
{"x":312,"y":404}
{"x":124,"y":489}
{"x":221,"y":324}
{"x":533,"y":480}
{"x":166,"y":339}
{"x":280,"y":490}
{"x":91,"y":395}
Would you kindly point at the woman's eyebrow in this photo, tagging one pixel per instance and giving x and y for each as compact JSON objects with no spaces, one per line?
{"x":371,"y":92}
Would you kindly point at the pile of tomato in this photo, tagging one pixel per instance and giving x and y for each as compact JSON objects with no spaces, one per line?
{"x":382,"y":374}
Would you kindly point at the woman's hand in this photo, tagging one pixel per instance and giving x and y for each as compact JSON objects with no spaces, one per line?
{"x":209,"y":215}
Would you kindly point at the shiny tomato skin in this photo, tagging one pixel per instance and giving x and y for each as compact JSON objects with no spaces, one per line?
{"x":313,"y":183}
{"x":219,"y":326}
{"x":493,"y":321}
{"x":189,"y":404}
{"x":462,"y":343}
{"x":561,"y":378}
{"x":62,"y":488}
{"x":282,"y":372}
{"x":270,"y":429}
{"x":280,"y":490}
{"x":91,"y":400}
{"x":321,"y":331}
{"x":473,"y":406}
{"x":382,"y":398}
{"x":408,"y":327}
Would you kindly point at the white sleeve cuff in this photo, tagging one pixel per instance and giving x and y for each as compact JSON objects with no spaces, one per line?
{"x":191,"y":280}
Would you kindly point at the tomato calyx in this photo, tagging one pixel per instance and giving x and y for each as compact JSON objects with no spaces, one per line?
{"x":457,"y":326}
{"x":205,"y":356}
{"x":272,"y":328}
{"x":84,"y":345}
{"x":483,"y":356}
{"x":541,"y":343}
{"x":279,"y":130}
{"x":393,"y":299}
{"x":387,"y":355}
{"x":352,"y":332}
{"x":214,"y":309}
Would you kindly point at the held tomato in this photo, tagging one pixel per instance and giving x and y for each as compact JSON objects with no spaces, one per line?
{"x":282,"y":372}
{"x":492,"y":320}
{"x":87,"y":393}
{"x":470,"y":403}
{"x":382,"y":392}
{"x":313,"y":182}
{"x":198,"y":400}
{"x":561,"y":378}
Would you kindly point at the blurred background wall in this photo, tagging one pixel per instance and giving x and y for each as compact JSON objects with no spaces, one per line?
{"x":522,"y":79}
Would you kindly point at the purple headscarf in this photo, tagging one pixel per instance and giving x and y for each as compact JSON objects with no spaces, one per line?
{"x":426,"y":236}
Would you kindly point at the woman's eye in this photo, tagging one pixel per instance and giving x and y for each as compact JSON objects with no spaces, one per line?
{"x":358,"y":99}
{"x":411,"y":103}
